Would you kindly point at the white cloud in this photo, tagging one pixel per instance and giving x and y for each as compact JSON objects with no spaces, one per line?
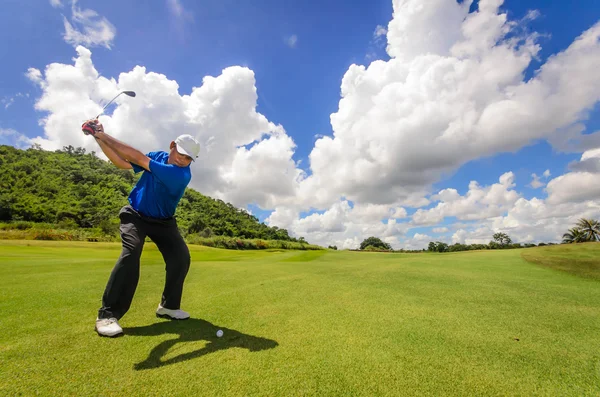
{"x":291,"y":41}
{"x":539,"y":220}
{"x":221,"y":113}
{"x":440,"y":229}
{"x":7,"y":101}
{"x":417,"y":242}
{"x":536,"y":181}
{"x":581,"y":185}
{"x":35,"y":76}
{"x":88,"y":28}
{"x":56,"y":3}
{"x":530,"y":221}
{"x":478,"y":203}
{"x":344,"y":225}
{"x":590,"y":162}
{"x":379,"y":31}
{"x":9,"y":136}
{"x":574,"y":187}
{"x":459,"y":236}
{"x":532,"y":15}
{"x":454,"y":91}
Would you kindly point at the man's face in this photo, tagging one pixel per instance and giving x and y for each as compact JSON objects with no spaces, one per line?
{"x":178,"y":159}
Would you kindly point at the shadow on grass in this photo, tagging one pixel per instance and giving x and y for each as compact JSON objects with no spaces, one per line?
{"x":193,"y":330}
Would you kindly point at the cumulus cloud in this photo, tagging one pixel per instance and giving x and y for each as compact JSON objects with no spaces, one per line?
{"x":478,"y":203}
{"x":221,"y":113}
{"x":453,"y":92}
{"x":417,"y":242}
{"x":538,"y":220}
{"x":581,"y":185}
{"x":574,"y":187}
{"x":589,"y":162}
{"x":344,"y":225}
{"x":87,"y":27}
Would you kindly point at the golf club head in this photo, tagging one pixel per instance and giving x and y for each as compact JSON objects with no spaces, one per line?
{"x":128,"y":93}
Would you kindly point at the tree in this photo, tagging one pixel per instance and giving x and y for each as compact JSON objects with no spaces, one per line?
{"x":590,"y":228}
{"x":375,"y":243}
{"x":574,"y":235}
{"x":441,"y":247}
{"x":432,"y":247}
{"x":502,"y":239}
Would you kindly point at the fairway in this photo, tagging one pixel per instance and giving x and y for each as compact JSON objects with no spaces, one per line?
{"x":300,"y":323}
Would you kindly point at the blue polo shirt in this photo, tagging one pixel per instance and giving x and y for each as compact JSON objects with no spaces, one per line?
{"x":158,"y":192}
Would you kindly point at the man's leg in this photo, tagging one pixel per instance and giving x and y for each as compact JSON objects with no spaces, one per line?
{"x":126,"y":273}
{"x":177,"y":260}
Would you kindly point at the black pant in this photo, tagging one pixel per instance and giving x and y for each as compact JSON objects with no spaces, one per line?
{"x":126,"y":273}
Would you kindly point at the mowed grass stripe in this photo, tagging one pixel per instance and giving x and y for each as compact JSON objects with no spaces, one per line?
{"x":300,"y":323}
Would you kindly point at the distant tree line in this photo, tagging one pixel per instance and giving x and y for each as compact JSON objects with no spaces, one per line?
{"x":586,"y":230}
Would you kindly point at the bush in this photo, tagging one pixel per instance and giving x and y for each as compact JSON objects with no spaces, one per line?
{"x":375,"y":242}
{"x":54,"y":235}
{"x":17,"y":225}
{"x":109,"y":226}
{"x":247,"y":244}
{"x":67,"y":223}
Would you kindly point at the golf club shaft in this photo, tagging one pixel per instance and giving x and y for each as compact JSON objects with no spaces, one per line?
{"x":108,"y":104}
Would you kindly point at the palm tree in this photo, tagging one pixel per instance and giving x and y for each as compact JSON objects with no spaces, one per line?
{"x":590,"y":228}
{"x":574,"y":235}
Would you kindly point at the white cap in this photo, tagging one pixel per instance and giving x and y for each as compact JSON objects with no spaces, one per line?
{"x":188,"y":145}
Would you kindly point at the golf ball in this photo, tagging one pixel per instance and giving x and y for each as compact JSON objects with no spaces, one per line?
{"x":219,"y":333}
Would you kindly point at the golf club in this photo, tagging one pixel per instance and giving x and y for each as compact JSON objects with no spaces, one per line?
{"x":89,"y":127}
{"x":128,"y":93}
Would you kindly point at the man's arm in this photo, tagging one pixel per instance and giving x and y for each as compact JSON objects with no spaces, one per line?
{"x":114,"y":157}
{"x":122,"y":150}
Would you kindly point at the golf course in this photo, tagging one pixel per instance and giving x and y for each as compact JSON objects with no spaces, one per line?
{"x":484,"y":323}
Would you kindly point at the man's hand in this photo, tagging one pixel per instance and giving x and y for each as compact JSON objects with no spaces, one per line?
{"x":91,"y":127}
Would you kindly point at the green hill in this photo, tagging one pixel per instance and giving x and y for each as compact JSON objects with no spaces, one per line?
{"x":72,"y":188}
{"x":580,"y":259}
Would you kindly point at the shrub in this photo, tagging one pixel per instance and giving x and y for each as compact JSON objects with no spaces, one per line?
{"x":54,"y":235}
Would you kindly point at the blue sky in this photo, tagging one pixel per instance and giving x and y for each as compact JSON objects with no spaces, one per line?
{"x":297,"y":80}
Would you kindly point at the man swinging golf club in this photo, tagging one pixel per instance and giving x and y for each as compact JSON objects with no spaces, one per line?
{"x":150,"y":212}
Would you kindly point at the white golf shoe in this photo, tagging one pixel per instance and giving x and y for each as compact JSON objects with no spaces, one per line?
{"x":108,"y":327}
{"x":178,"y":314}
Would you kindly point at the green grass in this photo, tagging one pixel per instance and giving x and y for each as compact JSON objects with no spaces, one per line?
{"x":579,"y":259}
{"x":300,"y":323}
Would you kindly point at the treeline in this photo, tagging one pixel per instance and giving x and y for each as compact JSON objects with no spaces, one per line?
{"x":492,"y":245}
{"x":500,"y":241}
{"x":74,"y":189}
